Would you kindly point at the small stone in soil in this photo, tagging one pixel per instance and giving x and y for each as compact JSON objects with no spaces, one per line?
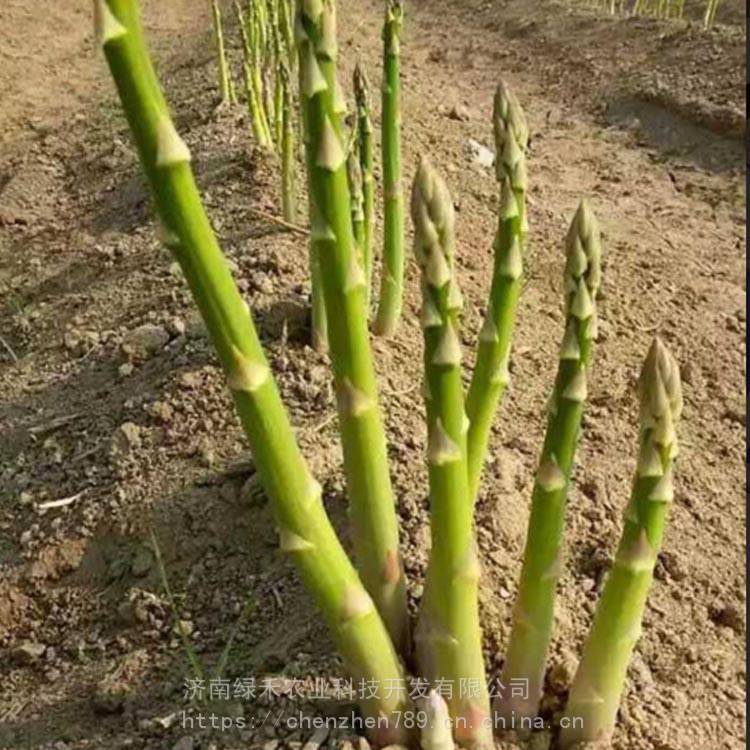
{"x":28,"y":652}
{"x":142,"y":562}
{"x":728,"y":616}
{"x":106,"y":701}
{"x":482,"y":155}
{"x":144,"y":341}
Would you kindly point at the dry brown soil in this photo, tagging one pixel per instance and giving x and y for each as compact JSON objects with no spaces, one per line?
{"x":132,"y":430}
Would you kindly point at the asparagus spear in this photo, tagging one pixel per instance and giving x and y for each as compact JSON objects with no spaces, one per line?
{"x":490,"y":376}
{"x":534,"y":609}
{"x":354,"y":176}
{"x":319,"y":321}
{"x":371,"y":498}
{"x":598,"y":683}
{"x":392,"y":276}
{"x":258,"y":121}
{"x":449,"y":639}
{"x":287,"y":31}
{"x":365,"y":149}
{"x":226,"y":84}
{"x":288,"y":193}
{"x":277,"y":47}
{"x":305,"y":531}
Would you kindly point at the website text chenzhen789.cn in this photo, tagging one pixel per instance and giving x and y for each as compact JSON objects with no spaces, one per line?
{"x":357,"y":724}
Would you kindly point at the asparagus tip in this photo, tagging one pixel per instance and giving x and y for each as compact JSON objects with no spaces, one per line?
{"x":659,"y":385}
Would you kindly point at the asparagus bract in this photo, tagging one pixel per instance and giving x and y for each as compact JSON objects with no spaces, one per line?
{"x":449,"y":639}
{"x":392,"y":270}
{"x":365,"y":150}
{"x":534,"y":610}
{"x":371,"y":498}
{"x":598,"y":683}
{"x":305,"y":531}
{"x":491,"y":376}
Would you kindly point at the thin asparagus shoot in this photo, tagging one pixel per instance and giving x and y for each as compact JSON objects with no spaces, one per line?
{"x":365,"y":151}
{"x":226,"y":84}
{"x":491,"y":375}
{"x":257,"y":115}
{"x":288,"y":189}
{"x":392,"y":269}
{"x":354,"y":175}
{"x":533,"y":615}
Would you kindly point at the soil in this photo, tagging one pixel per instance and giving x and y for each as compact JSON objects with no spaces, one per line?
{"x":116,"y":426}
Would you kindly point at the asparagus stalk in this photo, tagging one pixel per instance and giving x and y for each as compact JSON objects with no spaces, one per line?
{"x":305,"y":531}
{"x":709,"y":17}
{"x":597,"y":687}
{"x":534,"y":609}
{"x":260,"y":17}
{"x":371,"y":498}
{"x":318,"y":321}
{"x":257,"y":114}
{"x":490,"y":376}
{"x":288,"y":192}
{"x":449,"y":639}
{"x":226,"y":84}
{"x":364,"y":141}
{"x":286,"y":28}
{"x":354,"y":175}
{"x":392,"y":276}
{"x":278,"y":86}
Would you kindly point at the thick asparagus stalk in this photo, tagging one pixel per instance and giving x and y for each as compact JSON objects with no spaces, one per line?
{"x":365,"y":148}
{"x":258,"y":121}
{"x":598,"y":683}
{"x":491,"y":376}
{"x":392,"y":275}
{"x":371,"y":498}
{"x":226,"y":84}
{"x":449,"y":639}
{"x":304,"y":529}
{"x":288,"y":192}
{"x":534,"y":609}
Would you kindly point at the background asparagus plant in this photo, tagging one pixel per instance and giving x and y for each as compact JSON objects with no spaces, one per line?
{"x":226,"y":83}
{"x":392,"y":270}
{"x":664,"y":9}
{"x":366,"y":610}
{"x":364,"y":145}
{"x":269,"y":56}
